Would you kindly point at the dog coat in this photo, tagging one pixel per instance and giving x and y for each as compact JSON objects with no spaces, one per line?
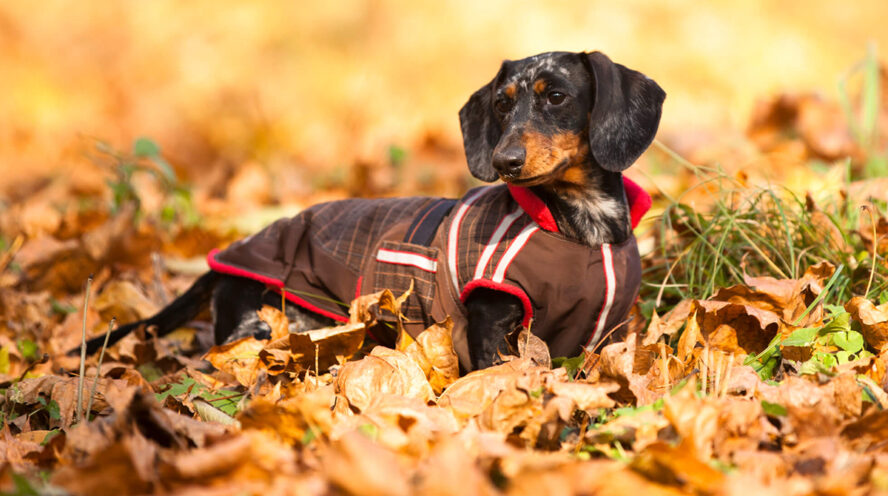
{"x":499,"y":237}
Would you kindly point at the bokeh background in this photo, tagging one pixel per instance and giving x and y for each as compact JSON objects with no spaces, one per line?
{"x":272,"y":101}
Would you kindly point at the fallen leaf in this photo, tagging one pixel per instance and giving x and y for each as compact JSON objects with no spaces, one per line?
{"x":384,"y":371}
{"x":618,"y":362}
{"x":589,"y":397}
{"x":123,"y":300}
{"x":471,"y":394}
{"x":276,"y":320}
{"x":669,"y":324}
{"x":530,"y":346}
{"x":677,"y":466}
{"x":319,"y":348}
{"x":873,"y":321}
{"x":433,"y":351}
{"x":695,"y":419}
{"x":239,"y":358}
{"x":752,"y":327}
{"x":450,"y":470}
{"x":357,"y":465}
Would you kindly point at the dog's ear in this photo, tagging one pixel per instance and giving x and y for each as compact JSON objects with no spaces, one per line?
{"x":625,"y":113}
{"x":481,"y":131}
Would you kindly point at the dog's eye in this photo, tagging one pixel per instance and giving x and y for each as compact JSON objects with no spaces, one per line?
{"x":503,"y":105}
{"x":556,"y":97}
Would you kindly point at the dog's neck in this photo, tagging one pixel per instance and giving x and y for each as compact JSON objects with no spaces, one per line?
{"x":595,"y":214}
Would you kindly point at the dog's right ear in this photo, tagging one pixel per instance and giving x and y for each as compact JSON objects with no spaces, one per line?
{"x":481,"y":131}
{"x":625,"y":115}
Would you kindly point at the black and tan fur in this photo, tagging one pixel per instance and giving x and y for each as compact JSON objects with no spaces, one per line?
{"x":564,"y":124}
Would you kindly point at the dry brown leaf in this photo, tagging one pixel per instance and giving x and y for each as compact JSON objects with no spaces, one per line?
{"x":513,"y":407}
{"x":63,"y":390}
{"x":384,"y":371}
{"x":472,"y":394}
{"x":359,"y":466}
{"x":319,"y":348}
{"x":404,"y":425}
{"x":618,"y":362}
{"x":293,"y":415}
{"x":694,"y":419}
{"x":433,"y":351}
{"x":450,"y":470}
{"x":605,"y":478}
{"x":689,"y":339}
{"x":669,"y":324}
{"x":678,"y":466}
{"x":276,"y":320}
{"x":123,"y":300}
{"x":869,"y":431}
{"x":816,"y":124}
{"x":586,"y":396}
{"x":362,"y":307}
{"x":250,"y":455}
{"x":816,"y":410}
{"x":751,"y":328}
{"x":873,"y":321}
{"x":530,"y":346}
{"x":58,"y":266}
{"x":239,"y":358}
{"x":119,"y":468}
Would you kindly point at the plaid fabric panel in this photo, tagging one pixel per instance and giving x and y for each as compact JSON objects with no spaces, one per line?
{"x":477,"y":228}
{"x":348,"y":228}
{"x":398,"y":276}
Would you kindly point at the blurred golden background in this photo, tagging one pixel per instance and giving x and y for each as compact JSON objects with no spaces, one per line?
{"x":289,"y":96}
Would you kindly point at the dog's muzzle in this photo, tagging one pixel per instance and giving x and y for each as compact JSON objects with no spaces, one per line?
{"x":509,"y":161}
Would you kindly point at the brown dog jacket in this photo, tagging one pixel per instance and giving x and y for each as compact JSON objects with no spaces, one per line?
{"x":499,"y":237}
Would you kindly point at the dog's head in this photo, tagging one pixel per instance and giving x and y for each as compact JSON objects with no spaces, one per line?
{"x":547,"y":117}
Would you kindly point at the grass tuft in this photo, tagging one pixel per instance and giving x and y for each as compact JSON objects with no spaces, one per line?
{"x":757,"y":231}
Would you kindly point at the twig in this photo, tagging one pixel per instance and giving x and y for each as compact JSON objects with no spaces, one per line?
{"x":83,"y":352}
{"x":664,"y":366}
{"x":717,"y":358}
{"x":599,"y":343}
{"x":317,"y":365}
{"x":729,"y":368}
{"x":9,"y":254}
{"x":669,"y":273}
{"x":92,"y":393}
{"x":875,"y":247}
{"x":159,"y":292}
{"x":704,"y":369}
{"x":583,"y":426}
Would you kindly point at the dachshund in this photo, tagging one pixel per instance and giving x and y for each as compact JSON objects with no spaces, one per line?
{"x":551,"y":249}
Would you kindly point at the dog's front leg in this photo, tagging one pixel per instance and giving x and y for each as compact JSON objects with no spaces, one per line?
{"x":492,"y":316}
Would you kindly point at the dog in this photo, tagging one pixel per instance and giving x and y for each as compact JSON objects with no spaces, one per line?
{"x":551,"y":249}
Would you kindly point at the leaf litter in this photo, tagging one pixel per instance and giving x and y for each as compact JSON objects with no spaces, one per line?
{"x":764,"y":386}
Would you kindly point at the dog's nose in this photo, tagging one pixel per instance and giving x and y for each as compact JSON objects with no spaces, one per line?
{"x":508,"y":162}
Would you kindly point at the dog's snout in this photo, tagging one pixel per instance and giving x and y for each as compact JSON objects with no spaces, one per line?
{"x":508,"y":162}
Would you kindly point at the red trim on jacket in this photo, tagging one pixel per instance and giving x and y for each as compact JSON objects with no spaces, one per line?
{"x":506,"y":288}
{"x":274,"y":283}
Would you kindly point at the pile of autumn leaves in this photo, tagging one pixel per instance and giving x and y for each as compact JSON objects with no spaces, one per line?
{"x":636,"y":417}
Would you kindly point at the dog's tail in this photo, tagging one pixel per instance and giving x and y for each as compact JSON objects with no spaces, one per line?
{"x":176,"y":314}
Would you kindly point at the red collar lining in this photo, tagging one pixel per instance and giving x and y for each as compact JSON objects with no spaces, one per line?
{"x":534,"y":207}
{"x":639,"y":203}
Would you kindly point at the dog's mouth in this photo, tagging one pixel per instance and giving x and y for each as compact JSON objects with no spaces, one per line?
{"x":549,"y":176}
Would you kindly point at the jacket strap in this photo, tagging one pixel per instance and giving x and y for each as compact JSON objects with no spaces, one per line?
{"x":424,"y":226}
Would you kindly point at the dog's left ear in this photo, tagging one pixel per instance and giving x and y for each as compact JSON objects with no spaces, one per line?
{"x":480,"y":131}
{"x":625,"y":113}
